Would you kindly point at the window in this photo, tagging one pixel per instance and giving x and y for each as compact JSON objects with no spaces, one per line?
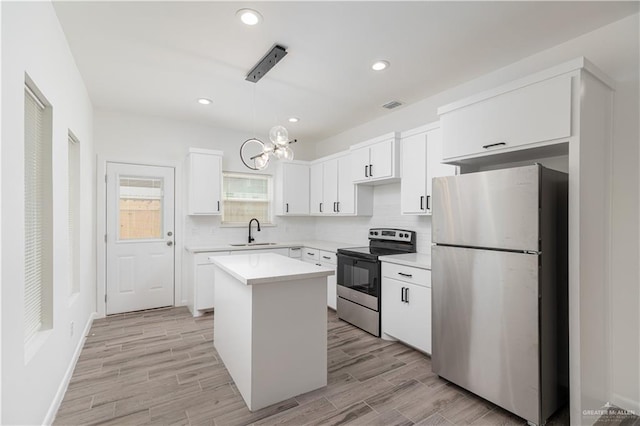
{"x":37,"y":215}
{"x":74,"y":212}
{"x":140,"y":208}
{"x":246,"y":196}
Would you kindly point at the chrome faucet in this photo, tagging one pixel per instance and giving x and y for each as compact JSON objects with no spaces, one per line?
{"x":251,"y":239}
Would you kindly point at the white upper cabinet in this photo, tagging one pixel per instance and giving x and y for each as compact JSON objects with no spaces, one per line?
{"x":421,"y":162}
{"x":514,"y":117}
{"x":315,"y":189}
{"x":204,"y":182}
{"x":292,"y":188}
{"x":332,"y":190}
{"x":330,"y":187}
{"x":376,"y":161}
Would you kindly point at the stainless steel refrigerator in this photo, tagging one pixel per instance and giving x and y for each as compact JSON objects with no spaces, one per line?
{"x":499,"y":283}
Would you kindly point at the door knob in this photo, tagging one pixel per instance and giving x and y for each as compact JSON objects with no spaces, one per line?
{"x":169,"y":243}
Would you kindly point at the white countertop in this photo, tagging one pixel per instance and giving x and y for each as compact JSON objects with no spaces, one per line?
{"x":265,"y":268}
{"x":331,"y":246}
{"x":416,"y":260}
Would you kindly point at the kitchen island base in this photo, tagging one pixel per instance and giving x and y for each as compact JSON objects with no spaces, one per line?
{"x":272,"y":337}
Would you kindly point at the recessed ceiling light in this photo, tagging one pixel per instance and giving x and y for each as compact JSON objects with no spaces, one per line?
{"x":293,"y":119}
{"x":249,"y":16}
{"x":204,"y":101}
{"x":379,"y":65}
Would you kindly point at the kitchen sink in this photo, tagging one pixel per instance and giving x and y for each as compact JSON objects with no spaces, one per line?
{"x":252,"y":244}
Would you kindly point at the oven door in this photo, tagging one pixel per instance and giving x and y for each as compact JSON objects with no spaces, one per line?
{"x":359,"y":280}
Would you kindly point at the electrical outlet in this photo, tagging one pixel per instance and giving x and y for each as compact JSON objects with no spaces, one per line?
{"x":71,"y":329}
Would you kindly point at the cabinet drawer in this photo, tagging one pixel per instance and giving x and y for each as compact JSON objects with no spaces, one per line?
{"x":310,"y":254}
{"x":531,"y":114}
{"x":328,"y":257}
{"x":421,"y":277}
{"x":295,"y":252}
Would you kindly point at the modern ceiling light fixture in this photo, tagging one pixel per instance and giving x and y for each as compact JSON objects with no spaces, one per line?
{"x":254,"y":153}
{"x":380,"y":65}
{"x":249,"y":16}
{"x":204,"y":101}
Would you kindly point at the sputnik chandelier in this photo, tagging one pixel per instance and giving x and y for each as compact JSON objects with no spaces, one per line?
{"x":254,"y":153}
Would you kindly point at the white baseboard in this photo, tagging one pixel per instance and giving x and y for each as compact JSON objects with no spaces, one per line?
{"x":64,"y":384}
{"x":626,"y":403}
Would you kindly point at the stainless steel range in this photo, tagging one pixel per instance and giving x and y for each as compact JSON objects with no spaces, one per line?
{"x":359,"y":276}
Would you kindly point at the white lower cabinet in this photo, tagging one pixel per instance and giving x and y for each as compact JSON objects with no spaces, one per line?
{"x":406,"y":305}
{"x":326,"y":259}
{"x":201,"y":295}
{"x":201,"y":277}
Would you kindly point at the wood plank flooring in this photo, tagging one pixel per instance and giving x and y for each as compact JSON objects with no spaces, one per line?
{"x":160,"y":367}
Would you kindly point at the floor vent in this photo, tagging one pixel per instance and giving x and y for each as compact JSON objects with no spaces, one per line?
{"x":392,"y":105}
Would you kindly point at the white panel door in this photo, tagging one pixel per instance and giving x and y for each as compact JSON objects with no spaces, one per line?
{"x":296,"y":189}
{"x":140,"y":226}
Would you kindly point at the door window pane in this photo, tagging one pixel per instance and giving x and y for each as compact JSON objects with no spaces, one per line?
{"x":140,"y":208}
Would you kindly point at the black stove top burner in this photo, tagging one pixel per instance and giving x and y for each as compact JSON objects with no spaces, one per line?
{"x":369,"y":252}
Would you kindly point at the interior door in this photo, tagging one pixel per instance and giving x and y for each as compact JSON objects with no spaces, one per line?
{"x":140,"y":226}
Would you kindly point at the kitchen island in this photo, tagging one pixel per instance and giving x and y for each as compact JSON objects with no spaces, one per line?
{"x":270,"y":325}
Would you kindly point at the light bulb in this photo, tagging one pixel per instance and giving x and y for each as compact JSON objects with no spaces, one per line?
{"x":269,"y":147}
{"x":279,"y":135}
{"x":262,"y":161}
{"x":279,"y":152}
{"x":287,"y":154}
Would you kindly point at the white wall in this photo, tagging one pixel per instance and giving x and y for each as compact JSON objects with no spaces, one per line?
{"x":33,"y":43}
{"x":614,"y":49}
{"x":121,"y":136}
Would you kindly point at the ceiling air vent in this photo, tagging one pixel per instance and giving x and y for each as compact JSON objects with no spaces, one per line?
{"x":392,"y":105}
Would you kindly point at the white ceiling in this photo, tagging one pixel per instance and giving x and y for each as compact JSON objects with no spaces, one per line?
{"x":157,"y":58}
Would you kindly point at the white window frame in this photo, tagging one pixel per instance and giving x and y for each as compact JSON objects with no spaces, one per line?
{"x":38,"y":220}
{"x":74,"y":217}
{"x":270,"y":198}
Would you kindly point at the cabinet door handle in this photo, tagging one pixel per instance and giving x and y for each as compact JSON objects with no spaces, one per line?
{"x":405,"y":275}
{"x":366,"y":171}
{"x":320,"y":207}
{"x":494,"y":144}
{"x":287,"y":206}
{"x":295,"y":248}
{"x":310,"y":254}
{"x":421,"y":202}
{"x":402,"y":294}
{"x":326,"y":257}
{"x":406,"y":294}
{"x":370,"y":170}
{"x":337,"y":206}
{"x":428,"y":203}
{"x":218,"y":205}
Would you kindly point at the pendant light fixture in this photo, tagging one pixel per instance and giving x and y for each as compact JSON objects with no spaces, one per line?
{"x":254,"y":153}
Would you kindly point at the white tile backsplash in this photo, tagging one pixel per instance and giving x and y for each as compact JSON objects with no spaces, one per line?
{"x":206,"y":230}
{"x":386,"y":213}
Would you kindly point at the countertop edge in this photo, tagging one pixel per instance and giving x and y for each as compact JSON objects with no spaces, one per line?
{"x":399,"y":260}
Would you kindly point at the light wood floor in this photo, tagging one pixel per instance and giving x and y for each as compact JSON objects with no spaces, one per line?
{"x":160,"y":367}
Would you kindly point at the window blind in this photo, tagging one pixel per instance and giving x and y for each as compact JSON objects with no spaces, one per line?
{"x":246,"y":196}
{"x":34,"y":212}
